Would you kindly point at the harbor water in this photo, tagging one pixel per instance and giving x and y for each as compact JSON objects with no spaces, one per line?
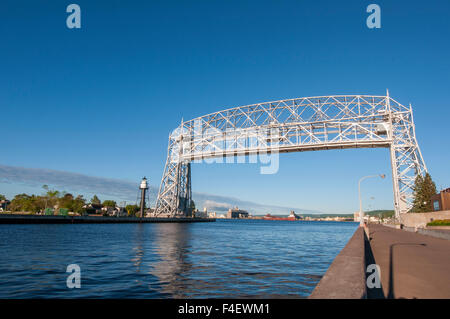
{"x":225,"y":259}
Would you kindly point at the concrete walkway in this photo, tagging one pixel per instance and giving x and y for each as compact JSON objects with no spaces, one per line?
{"x":412,"y":265}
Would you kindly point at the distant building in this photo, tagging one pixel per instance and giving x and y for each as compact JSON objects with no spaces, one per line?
{"x":367,"y":218}
{"x":150,"y":212}
{"x":237,"y":213}
{"x":93,"y":209}
{"x":4,"y":205}
{"x":356,"y":217}
{"x":374,"y":219}
{"x":99,"y":209}
{"x":441,"y":201}
{"x":212,"y":215}
{"x":201,"y":214}
{"x":117,"y":212}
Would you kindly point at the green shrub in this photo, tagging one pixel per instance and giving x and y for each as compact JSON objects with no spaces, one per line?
{"x":440,"y":222}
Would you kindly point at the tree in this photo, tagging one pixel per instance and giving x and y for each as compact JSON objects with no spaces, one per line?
{"x":51,"y":196}
{"x":95,"y":200}
{"x":27,"y":203}
{"x":132,"y":209}
{"x":67,"y":201}
{"x":424,"y":189}
{"x":34,"y":204}
{"x":78,"y":205}
{"x":109,"y":203}
{"x":2,"y":197}
{"x":73,"y":204}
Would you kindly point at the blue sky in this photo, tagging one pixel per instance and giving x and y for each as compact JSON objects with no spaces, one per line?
{"x":101,"y":100}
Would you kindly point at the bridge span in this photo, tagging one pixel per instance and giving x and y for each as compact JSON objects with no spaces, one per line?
{"x":294,"y":125}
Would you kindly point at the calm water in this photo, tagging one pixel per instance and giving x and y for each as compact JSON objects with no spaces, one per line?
{"x":229,"y":259}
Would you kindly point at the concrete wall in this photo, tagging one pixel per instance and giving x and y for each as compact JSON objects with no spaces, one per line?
{"x":346,"y":278}
{"x":443,"y":233}
{"x":421,"y":219}
{"x":438,"y":233}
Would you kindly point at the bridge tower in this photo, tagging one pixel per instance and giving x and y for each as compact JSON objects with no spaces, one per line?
{"x":175,"y":192}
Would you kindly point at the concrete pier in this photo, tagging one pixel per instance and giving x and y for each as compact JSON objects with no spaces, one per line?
{"x":412,"y":265}
{"x":39,"y":219}
{"x":345,"y":279}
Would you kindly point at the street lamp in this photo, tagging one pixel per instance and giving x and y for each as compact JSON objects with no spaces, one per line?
{"x":361,"y":213}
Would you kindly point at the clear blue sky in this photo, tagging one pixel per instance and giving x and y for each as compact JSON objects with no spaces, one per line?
{"x":102,"y":100}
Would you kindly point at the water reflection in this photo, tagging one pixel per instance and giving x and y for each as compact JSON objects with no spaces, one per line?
{"x":138,"y":249}
{"x":172,"y":244}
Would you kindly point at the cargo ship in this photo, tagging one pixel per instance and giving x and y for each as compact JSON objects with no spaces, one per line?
{"x":292,"y":216}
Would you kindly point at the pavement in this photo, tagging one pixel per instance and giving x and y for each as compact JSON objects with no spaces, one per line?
{"x":412,"y":265}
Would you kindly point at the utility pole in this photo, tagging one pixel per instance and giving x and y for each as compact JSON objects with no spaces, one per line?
{"x":361,"y":213}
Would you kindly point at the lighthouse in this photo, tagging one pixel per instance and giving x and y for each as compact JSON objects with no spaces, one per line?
{"x":144,"y":188}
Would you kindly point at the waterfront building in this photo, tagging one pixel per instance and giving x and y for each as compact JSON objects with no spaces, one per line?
{"x":93,"y":209}
{"x":201,"y":214}
{"x":356,"y":217}
{"x":441,"y":201}
{"x":212,"y":214}
{"x":4,"y":205}
{"x":237,"y":213}
{"x":118,"y":212}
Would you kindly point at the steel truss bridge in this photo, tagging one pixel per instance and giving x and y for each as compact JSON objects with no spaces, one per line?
{"x":294,"y":125}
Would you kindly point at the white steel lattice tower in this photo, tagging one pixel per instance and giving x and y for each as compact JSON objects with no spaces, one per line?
{"x":294,"y":125}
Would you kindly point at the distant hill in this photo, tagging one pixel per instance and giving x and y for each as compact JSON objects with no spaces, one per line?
{"x":383,"y":212}
{"x":327,"y":215}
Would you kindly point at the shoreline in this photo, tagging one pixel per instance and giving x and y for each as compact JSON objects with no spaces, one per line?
{"x":55,"y":219}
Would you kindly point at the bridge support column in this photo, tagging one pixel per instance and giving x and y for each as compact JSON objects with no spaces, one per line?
{"x":395,"y":183}
{"x":406,"y":160}
{"x":175,"y":192}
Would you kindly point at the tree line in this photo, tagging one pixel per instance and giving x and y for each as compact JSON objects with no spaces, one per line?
{"x":55,"y":199}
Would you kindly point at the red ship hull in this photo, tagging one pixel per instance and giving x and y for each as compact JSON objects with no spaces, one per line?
{"x":270,"y":217}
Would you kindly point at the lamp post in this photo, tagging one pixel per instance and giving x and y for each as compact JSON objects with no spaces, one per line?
{"x":361,"y":213}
